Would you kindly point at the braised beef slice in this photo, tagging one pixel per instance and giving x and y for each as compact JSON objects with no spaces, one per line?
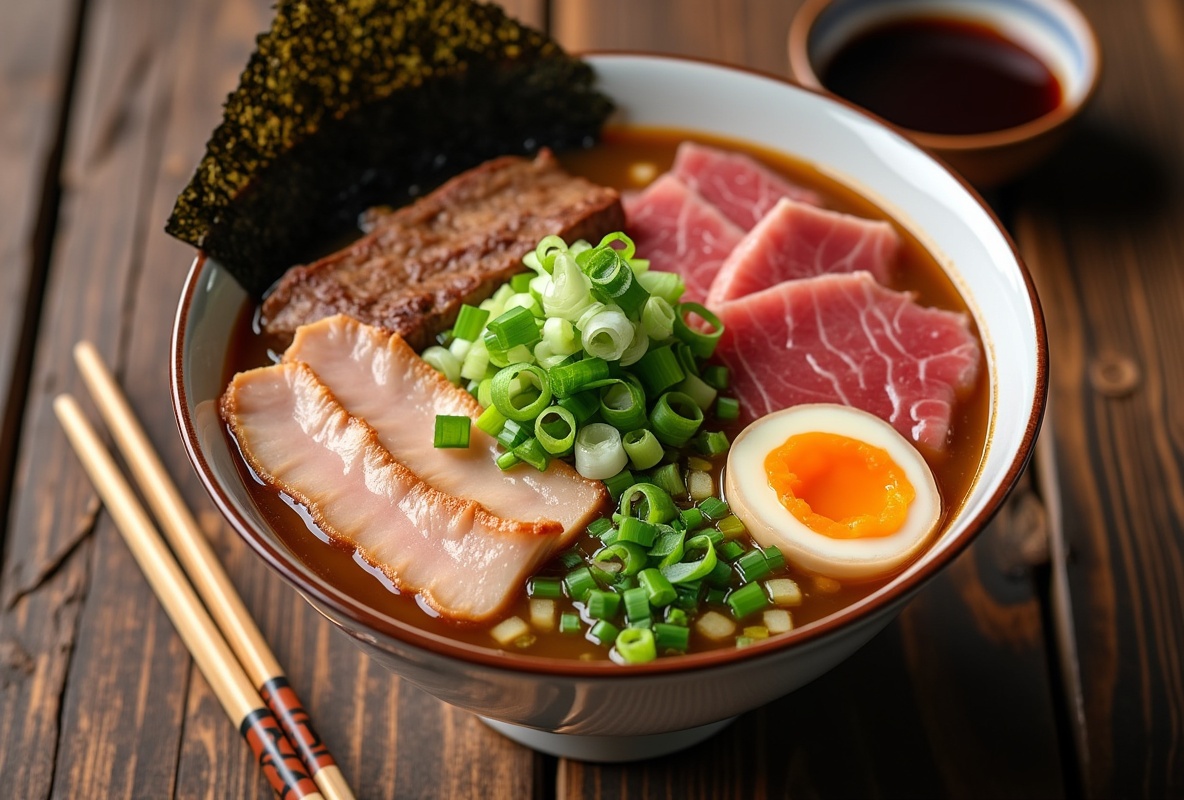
{"x":413,"y":270}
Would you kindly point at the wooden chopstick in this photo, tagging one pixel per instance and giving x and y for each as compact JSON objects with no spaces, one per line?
{"x":279,"y":760}
{"x":205,"y":571}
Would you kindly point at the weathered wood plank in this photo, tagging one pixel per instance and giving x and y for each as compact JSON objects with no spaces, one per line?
{"x":1105,"y":243}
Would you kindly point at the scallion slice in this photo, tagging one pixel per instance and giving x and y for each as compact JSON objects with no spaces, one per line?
{"x":636,"y":646}
{"x":607,"y":333}
{"x":657,"y":587}
{"x":748,"y":599}
{"x":443,"y":361}
{"x":544,"y":587}
{"x":516,"y":326}
{"x":643,"y":448}
{"x":653,"y":503}
{"x":569,"y":622}
{"x":599,"y":452}
{"x":579,"y":582}
{"x":555,"y":429}
{"x":711,"y":443}
{"x":752,"y":566}
{"x":622,"y":405}
{"x":657,"y":319}
{"x":714,"y":508}
{"x":601,"y":604}
{"x":668,"y":547}
{"x":452,"y":431}
{"x":636,"y":531}
{"x":630,"y":556}
{"x":659,"y":370}
{"x":604,"y":633}
{"x":532,"y":452}
{"x":685,"y":571}
{"x":637,"y":604}
{"x":470,"y":322}
{"x":703,"y":342}
{"x":619,"y":483}
{"x":674,"y":419}
{"x":570,"y":377}
{"x":669,"y":478}
{"x":506,"y":393}
{"x":669,"y":636}
{"x":613,"y":280}
{"x":727,"y":409}
{"x":583,"y":405}
{"x":667,"y":285}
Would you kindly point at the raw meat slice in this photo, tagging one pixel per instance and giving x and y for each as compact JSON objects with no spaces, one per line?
{"x":740,"y":187}
{"x":464,"y":561}
{"x":847,"y":339}
{"x":795,"y":240}
{"x":418,"y":264}
{"x":378,"y":377}
{"x":678,"y":231}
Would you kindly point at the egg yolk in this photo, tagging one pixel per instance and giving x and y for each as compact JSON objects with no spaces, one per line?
{"x":838,"y":486}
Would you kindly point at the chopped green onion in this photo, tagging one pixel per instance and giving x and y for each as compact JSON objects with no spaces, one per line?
{"x":659,"y":370}
{"x":717,"y":376}
{"x":570,"y":559}
{"x":598,"y":450}
{"x":637,"y":347}
{"x":730,"y":550}
{"x":631,"y":556}
{"x":506,"y":391}
{"x":748,"y":599}
{"x":721,"y":574}
{"x":654,"y":504}
{"x":491,"y":421}
{"x":628,"y":249}
{"x":667,"y":285}
{"x":555,"y":429}
{"x":642,"y":447}
{"x":516,"y":326}
{"x":443,"y":361}
{"x":658,"y":589}
{"x":622,"y":405}
{"x":712,"y":443}
{"x":604,"y":633}
{"x":713,"y":508}
{"x":752,"y":566}
{"x":508,"y":460}
{"x":599,"y":526}
{"x":470,"y":322}
{"x":692,"y":518}
{"x":698,"y":390}
{"x":579,"y":583}
{"x":727,"y":409}
{"x":532,"y":452}
{"x":668,"y":478}
{"x":452,"y":431}
{"x":634,"y":530}
{"x":568,"y":378}
{"x":569,"y":622}
{"x":476,"y":361}
{"x":521,"y":282}
{"x":636,"y":646}
{"x":674,"y":418}
{"x":685,"y":571}
{"x":775,"y":558}
{"x":512,"y":434}
{"x":730,"y":526}
{"x":601,"y":604}
{"x":668,"y":636}
{"x":637,"y":604}
{"x":668,"y":547}
{"x":702,"y":342}
{"x":582,"y":405}
{"x":543,"y":587}
{"x":613,"y":280}
{"x":675,"y":615}
{"x":619,"y":483}
{"x":657,"y":319}
{"x":606,"y":334}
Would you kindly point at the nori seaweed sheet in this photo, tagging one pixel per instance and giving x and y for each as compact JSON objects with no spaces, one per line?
{"x":346,"y":105}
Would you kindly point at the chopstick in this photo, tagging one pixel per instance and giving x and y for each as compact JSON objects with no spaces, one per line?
{"x":209,"y":650}
{"x":193,"y":550}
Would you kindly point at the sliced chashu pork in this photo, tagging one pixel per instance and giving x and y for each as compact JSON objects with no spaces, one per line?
{"x":795,"y":240}
{"x":463,"y":560}
{"x":376,"y":376}
{"x":847,"y":339}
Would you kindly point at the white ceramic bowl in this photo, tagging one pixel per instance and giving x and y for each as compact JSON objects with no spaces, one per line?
{"x":602,"y":711}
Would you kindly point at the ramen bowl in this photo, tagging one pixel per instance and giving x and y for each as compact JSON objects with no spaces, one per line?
{"x":1052,"y":33}
{"x":601,"y":710}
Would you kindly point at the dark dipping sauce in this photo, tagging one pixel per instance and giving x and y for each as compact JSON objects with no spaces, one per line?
{"x":614,"y":162}
{"x":944,"y":76}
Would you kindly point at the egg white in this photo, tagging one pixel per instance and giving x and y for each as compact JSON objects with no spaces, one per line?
{"x":747,"y":491}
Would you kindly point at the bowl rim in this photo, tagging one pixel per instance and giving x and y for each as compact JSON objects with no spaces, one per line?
{"x":889,"y":596}
{"x":802,"y":68}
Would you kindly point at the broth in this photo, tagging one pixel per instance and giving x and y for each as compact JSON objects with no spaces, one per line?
{"x":615,"y":162}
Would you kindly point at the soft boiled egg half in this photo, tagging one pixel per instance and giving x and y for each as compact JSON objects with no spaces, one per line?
{"x":838,"y":490}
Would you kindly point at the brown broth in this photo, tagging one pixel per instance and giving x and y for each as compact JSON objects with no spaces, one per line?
{"x":614,"y":163}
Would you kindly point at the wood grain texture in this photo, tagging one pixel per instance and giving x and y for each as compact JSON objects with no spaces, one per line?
{"x":1106,"y":245}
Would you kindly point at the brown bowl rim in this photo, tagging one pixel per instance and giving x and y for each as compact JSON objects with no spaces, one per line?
{"x":896,"y":591}
{"x":803,"y":72}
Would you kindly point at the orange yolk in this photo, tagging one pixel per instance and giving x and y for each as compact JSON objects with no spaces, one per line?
{"x":838,"y":486}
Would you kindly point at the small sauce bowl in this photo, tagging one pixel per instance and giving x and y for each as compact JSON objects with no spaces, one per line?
{"x":1025,"y":38}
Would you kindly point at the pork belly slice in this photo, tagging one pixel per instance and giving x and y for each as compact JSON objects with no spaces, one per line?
{"x":417,"y":265}
{"x":796,"y":240}
{"x":743,"y":189}
{"x":848,"y":339}
{"x":679,"y":231}
{"x":464,"y":561}
{"x":377,"y":377}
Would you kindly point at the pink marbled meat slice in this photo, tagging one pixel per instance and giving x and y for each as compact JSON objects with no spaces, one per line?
{"x":678,"y":231}
{"x":847,"y":339}
{"x":740,"y":187}
{"x":796,"y":240}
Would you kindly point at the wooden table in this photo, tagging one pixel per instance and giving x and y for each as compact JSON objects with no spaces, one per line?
{"x":1049,"y":661}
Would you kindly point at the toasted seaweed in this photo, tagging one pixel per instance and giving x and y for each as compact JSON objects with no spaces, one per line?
{"x":345,"y":105}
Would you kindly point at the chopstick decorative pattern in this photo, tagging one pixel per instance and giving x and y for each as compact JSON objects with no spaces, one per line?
{"x":284,"y":736}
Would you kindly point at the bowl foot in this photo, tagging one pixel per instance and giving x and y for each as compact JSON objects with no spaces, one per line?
{"x":606,"y":748}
